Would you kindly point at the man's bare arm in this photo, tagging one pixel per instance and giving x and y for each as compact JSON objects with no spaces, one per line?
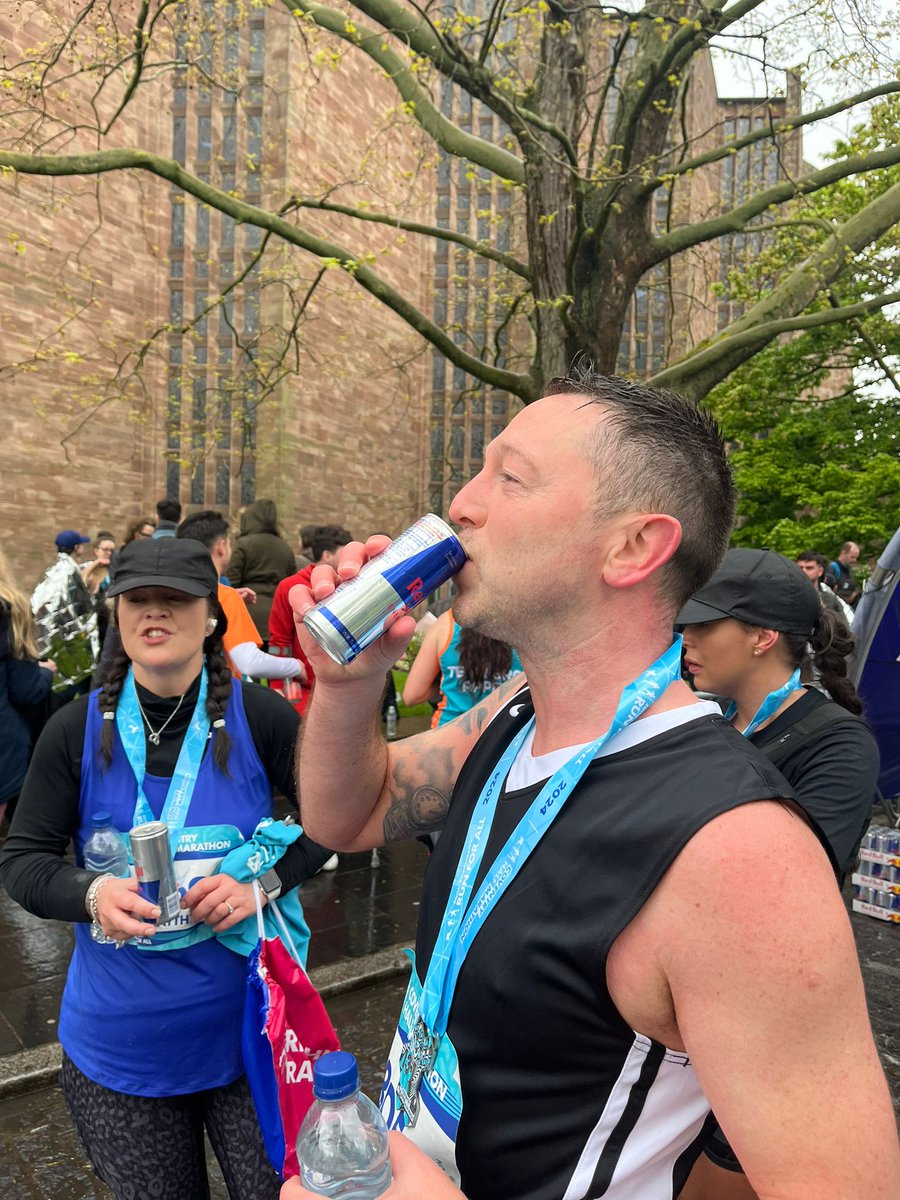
{"x":423,"y":769}
{"x":357,"y":791}
{"x":759,"y":958}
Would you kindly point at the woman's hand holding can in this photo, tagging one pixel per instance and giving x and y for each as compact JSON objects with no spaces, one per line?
{"x":122,"y":913}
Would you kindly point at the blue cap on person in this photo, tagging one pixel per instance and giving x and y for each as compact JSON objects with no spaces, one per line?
{"x":68,"y":539}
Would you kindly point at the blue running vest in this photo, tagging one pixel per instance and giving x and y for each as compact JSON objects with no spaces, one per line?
{"x":162,"y":1023}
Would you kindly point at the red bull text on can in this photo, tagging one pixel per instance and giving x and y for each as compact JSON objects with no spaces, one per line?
{"x":412,"y":567}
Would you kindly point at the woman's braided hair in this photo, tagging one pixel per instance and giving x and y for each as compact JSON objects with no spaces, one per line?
{"x":831,"y":645}
{"x":108,"y":699}
{"x":218,"y":692}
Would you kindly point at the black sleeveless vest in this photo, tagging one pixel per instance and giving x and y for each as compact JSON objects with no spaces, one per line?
{"x":552,"y":1077}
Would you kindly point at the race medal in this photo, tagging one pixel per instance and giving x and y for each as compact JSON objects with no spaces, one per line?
{"x":416,"y":1061}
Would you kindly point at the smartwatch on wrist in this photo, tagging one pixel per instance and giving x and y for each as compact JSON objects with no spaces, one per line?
{"x":270,"y":884}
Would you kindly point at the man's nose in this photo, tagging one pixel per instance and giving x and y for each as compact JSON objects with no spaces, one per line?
{"x":467,"y":507}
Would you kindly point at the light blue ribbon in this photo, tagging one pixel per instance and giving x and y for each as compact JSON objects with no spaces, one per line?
{"x":464,"y":916}
{"x":770,"y":705}
{"x":245,"y":863}
{"x":130,"y":725}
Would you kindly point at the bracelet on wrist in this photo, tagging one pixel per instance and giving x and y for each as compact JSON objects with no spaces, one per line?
{"x":93,"y":894}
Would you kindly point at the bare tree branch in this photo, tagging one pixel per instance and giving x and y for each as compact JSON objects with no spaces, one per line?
{"x":702,"y":369}
{"x":248,"y":214}
{"x":418,"y":103}
{"x":737,"y":218}
{"x":459,"y":67}
{"x":432,"y":231}
{"x":784,"y":125}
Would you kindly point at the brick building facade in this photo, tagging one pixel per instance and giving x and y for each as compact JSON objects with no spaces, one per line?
{"x":90,"y":269}
{"x":355,"y":419}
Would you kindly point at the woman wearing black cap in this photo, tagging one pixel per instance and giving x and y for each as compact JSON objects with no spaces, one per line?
{"x":749,"y":635}
{"x":152,"y":1034}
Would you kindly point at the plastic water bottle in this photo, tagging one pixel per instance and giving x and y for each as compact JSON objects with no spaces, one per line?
{"x":390,"y":722}
{"x":105,"y":851}
{"x":343,"y":1146}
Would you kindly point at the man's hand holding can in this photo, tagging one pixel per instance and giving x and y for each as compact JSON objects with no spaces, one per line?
{"x":325,"y":579}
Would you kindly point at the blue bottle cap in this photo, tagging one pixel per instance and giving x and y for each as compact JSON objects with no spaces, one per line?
{"x":335,"y":1076}
{"x":99,"y":819}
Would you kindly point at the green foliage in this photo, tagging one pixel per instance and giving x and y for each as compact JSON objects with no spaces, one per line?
{"x":814,"y":421}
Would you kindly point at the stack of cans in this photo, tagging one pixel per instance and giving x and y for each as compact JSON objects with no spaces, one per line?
{"x":876,"y":883}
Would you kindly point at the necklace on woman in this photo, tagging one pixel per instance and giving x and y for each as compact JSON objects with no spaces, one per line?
{"x":155,"y":734}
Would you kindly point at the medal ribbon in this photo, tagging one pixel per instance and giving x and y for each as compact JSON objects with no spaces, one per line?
{"x":181,"y":787}
{"x":462,"y":920}
{"x":770,"y":705}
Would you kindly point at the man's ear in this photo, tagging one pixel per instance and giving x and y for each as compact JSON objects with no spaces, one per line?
{"x":642,"y":543}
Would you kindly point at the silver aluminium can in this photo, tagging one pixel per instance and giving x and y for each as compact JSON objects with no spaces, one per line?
{"x":155,"y":868}
{"x":413,"y":566}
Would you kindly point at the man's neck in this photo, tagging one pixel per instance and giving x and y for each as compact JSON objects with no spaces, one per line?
{"x":576,"y":689}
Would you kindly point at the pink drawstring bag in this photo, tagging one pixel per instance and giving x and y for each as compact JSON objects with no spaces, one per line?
{"x":286,"y":1028}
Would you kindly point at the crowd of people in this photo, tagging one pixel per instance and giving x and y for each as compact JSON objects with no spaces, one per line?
{"x":648,"y":769}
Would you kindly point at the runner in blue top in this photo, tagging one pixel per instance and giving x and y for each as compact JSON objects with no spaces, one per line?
{"x":462,"y":664}
{"x":151,"y":1025}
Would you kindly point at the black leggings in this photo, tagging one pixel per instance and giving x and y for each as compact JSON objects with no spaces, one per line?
{"x":143,"y":1147}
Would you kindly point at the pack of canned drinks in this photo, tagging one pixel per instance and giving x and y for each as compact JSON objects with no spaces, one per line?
{"x":881,"y":844}
{"x":876,"y":884}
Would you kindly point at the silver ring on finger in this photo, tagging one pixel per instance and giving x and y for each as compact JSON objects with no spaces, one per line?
{"x":230,"y":908}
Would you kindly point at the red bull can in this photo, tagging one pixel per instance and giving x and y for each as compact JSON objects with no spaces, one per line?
{"x":154,"y":867}
{"x":412,"y":567}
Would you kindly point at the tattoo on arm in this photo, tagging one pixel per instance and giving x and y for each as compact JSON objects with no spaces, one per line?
{"x":423,"y":812}
{"x":423,"y":773}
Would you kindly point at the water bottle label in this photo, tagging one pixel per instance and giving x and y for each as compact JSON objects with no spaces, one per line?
{"x":440,"y":1092}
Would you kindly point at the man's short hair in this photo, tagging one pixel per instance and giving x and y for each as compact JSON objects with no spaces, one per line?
{"x":327,"y":539}
{"x":848,"y":546}
{"x":206,"y":527}
{"x":658,"y":452}
{"x":168,"y":510}
{"x":813,"y":556}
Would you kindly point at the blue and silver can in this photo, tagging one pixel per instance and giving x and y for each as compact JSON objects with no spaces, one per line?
{"x":154,"y":867}
{"x":413,"y":566}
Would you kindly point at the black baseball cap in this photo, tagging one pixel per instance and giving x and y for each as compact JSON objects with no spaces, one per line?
{"x":179,"y":563}
{"x":758,"y":587}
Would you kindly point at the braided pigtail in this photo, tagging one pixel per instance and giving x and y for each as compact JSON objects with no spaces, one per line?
{"x":831,"y":646}
{"x":218,"y":693}
{"x":107,"y":701}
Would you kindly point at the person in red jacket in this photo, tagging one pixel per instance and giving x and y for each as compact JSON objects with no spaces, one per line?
{"x":325,"y":545}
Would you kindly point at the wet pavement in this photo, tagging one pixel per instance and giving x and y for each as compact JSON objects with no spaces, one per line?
{"x":357,"y":915}
{"x":41,"y":1158}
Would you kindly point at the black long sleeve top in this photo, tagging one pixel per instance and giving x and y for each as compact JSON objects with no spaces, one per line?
{"x":33,"y":868}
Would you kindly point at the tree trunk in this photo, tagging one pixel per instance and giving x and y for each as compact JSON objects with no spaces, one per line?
{"x":612,"y":250}
{"x":551,"y":212}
